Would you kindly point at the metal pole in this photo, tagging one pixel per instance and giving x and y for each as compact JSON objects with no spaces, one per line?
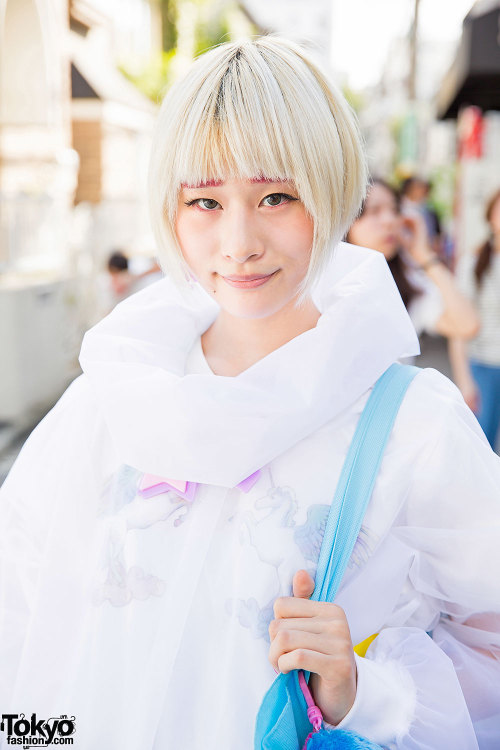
{"x":412,"y":76}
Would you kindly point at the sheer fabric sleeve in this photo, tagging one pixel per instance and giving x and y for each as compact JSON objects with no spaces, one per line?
{"x":420,"y":690}
{"x":48,"y":504}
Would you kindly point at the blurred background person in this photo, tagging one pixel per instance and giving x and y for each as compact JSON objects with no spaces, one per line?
{"x":476,"y":365}
{"x":120,"y":279}
{"x":427,"y":288}
{"x":124,"y":277}
{"x":415,"y":193}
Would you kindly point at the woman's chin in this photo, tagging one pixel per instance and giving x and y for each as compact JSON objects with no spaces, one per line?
{"x":250,"y":311}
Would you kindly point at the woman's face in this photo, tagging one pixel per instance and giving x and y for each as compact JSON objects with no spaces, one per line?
{"x":379,"y":227}
{"x":247,"y":242}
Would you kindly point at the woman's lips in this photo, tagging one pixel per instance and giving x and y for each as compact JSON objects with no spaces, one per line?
{"x":248,"y":282}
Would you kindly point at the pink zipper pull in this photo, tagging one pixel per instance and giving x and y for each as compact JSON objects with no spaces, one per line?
{"x":313,"y":712}
{"x":315,"y":717}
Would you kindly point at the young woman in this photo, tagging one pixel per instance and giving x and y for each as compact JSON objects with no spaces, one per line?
{"x":429,"y":291}
{"x":161,"y":527}
{"x":477,"y":371}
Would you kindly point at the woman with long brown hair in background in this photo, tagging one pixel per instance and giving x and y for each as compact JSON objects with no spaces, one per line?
{"x":427,"y":288}
{"x":476,"y":368}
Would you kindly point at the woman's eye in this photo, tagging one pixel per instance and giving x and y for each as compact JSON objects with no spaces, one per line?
{"x":210,"y":204}
{"x":276,"y":199}
{"x":206,"y":204}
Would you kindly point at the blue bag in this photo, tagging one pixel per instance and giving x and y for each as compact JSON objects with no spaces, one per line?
{"x":282,"y":721}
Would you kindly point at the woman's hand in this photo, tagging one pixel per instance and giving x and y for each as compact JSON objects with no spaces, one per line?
{"x":470,"y":393}
{"x":315,"y":637}
{"x":415,"y":239}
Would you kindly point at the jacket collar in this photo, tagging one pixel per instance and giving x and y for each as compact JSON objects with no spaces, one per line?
{"x":219,"y":430}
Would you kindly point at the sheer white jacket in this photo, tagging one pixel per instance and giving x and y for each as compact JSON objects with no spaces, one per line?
{"x":146,"y":617}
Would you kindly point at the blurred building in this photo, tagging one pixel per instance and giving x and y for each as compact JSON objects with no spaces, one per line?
{"x":401,"y":133}
{"x":74,"y":138}
{"x":38,"y":177}
{"x":450,"y":130}
{"x":469,"y":101}
{"x":111,"y":123}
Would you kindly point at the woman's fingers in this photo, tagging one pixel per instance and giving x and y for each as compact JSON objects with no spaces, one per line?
{"x":291,"y":643}
{"x":332,"y":670}
{"x":293,"y":606}
{"x":311,"y":624}
{"x":414,"y":225}
{"x":303,"y":584}
{"x":315,"y":637}
{"x":333,"y":677}
{"x":331,"y":625}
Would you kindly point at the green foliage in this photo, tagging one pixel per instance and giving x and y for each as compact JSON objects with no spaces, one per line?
{"x":155,"y":77}
{"x":355,"y":98}
{"x":168,"y":11}
{"x":210,"y":34}
{"x":443,"y":186}
{"x":213,"y":25}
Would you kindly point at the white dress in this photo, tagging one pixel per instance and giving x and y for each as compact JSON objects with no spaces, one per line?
{"x":146,"y":617}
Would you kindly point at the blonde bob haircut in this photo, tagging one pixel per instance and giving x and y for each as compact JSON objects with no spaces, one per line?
{"x":258,"y":108}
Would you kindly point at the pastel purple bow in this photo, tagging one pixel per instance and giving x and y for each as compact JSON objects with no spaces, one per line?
{"x":151,"y":485}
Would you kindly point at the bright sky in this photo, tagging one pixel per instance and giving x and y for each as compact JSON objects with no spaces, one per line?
{"x":363,"y":30}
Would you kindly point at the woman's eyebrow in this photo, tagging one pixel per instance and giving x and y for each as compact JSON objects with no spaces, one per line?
{"x":218,"y":183}
{"x":204,"y":184}
{"x":268,"y":179}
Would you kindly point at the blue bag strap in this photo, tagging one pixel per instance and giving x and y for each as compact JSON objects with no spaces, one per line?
{"x":282,"y":718}
{"x":358,"y":476}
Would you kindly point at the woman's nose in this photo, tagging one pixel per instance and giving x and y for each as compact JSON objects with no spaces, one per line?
{"x":241,"y":255}
{"x":389,"y":217}
{"x":240,"y":239}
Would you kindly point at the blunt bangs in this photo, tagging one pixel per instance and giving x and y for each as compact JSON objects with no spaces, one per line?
{"x":257,"y":109}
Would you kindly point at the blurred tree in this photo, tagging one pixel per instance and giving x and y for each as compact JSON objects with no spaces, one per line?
{"x":355,"y":98}
{"x":443,"y":185}
{"x":413,"y":51}
{"x":212,"y":27}
{"x":169,"y":14}
{"x":155,"y":77}
{"x":189,"y":27}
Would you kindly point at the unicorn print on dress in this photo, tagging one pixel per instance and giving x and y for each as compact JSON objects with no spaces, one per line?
{"x":251,"y":616}
{"x":124,"y":510}
{"x":363,"y":549}
{"x":122,"y":585}
{"x":271,"y":529}
{"x":120,"y":489}
{"x":309,"y":536}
